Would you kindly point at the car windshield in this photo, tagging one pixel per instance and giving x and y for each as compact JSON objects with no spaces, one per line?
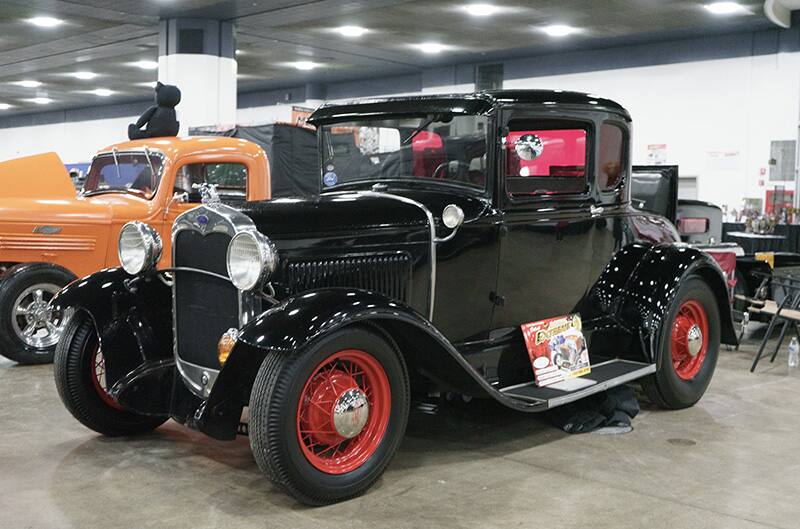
{"x":135,"y":173}
{"x":433,"y":148}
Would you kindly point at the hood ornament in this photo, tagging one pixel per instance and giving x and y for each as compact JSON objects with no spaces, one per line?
{"x":208,"y":193}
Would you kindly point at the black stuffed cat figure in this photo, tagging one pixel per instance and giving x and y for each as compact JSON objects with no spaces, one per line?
{"x":158,"y":120}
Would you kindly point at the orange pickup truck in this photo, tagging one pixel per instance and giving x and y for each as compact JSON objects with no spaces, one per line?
{"x":49,"y":236}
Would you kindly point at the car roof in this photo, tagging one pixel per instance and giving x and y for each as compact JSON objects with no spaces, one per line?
{"x":473,"y":103}
{"x":176,"y":147}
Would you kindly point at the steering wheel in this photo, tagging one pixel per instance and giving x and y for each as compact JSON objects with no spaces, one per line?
{"x":462,"y":169}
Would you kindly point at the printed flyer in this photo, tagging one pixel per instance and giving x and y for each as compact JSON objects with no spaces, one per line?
{"x":557,"y":349}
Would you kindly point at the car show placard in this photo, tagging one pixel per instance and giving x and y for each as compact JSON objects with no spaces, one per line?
{"x":557,"y":349}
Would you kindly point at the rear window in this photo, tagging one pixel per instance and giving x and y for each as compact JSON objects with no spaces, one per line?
{"x":559,"y":167}
{"x":230,"y":178}
{"x":611,"y":166}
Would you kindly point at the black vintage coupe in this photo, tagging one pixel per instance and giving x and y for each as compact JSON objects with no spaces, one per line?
{"x":442,"y":225}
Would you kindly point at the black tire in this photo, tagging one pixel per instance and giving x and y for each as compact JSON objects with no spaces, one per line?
{"x":665,"y":388}
{"x":274,"y":401}
{"x":18,"y":280}
{"x":73,"y":371}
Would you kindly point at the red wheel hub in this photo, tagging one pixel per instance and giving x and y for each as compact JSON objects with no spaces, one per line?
{"x":689,"y":340}
{"x":343,"y":411}
{"x":98,"y":376}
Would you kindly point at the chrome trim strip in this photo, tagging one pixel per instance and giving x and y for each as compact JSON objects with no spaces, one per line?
{"x":431,"y":225}
{"x":219,"y":219}
{"x":195,"y":270}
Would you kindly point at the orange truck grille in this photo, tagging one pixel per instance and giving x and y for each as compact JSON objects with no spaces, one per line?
{"x":45,"y":243}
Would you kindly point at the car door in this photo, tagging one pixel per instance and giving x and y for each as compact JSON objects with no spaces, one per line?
{"x":556,"y":234}
{"x":546,"y":220}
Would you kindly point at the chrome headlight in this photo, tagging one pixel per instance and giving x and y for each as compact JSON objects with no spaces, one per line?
{"x":251,"y":259}
{"x":139,"y":247}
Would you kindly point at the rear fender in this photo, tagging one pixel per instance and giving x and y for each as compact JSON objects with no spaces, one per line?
{"x":133,"y":319}
{"x":648,"y":294}
{"x":300,"y":320}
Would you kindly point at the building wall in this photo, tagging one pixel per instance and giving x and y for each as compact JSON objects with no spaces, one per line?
{"x":74,"y":142}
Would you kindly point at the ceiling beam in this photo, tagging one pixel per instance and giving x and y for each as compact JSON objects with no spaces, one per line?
{"x":74,"y":50}
{"x":301,"y":12}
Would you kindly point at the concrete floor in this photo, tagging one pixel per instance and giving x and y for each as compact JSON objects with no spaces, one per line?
{"x":733,"y":461}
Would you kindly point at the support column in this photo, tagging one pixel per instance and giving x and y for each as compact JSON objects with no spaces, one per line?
{"x":315,"y":95}
{"x":199,"y":57}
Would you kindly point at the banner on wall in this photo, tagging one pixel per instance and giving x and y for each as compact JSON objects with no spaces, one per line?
{"x":657,"y":154}
{"x":300,"y":115}
{"x":724,"y":160}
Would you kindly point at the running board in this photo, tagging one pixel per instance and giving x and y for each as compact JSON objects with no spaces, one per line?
{"x":603,"y":376}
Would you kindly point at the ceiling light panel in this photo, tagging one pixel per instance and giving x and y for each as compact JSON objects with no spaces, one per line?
{"x":430,"y":48}
{"x":560,"y":30}
{"x":145,"y":65}
{"x":45,"y":21}
{"x":481,"y":10}
{"x":351,"y":31}
{"x":84,"y":76}
{"x":28,"y":83}
{"x":726,"y":8}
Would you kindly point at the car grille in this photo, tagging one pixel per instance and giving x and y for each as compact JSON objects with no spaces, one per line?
{"x":389,"y":274}
{"x":205,"y":306}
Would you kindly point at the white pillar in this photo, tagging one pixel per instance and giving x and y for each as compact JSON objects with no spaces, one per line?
{"x":199,"y":57}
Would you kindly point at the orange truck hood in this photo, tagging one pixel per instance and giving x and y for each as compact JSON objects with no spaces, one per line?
{"x":41,"y":175}
{"x":38,"y":189}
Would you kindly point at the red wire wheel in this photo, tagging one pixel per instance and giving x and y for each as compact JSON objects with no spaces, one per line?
{"x":343,"y":412}
{"x":689,"y":339}
{"x":98,"y":375}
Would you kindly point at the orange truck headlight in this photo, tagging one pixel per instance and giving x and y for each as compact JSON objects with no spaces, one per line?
{"x":225,"y":345}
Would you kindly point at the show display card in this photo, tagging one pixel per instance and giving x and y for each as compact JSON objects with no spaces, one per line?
{"x":557,"y":349}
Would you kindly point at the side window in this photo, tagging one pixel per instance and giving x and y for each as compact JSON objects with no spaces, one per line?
{"x":230,"y":178}
{"x":545,"y":157}
{"x":612,"y":151}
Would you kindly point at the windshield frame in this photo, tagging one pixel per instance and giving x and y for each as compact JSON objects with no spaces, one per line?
{"x":117,"y":154}
{"x":416,"y":181}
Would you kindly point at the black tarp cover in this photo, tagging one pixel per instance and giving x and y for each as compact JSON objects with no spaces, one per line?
{"x":292,"y":153}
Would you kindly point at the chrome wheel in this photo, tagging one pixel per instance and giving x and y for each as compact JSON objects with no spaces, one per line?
{"x":33,"y":320}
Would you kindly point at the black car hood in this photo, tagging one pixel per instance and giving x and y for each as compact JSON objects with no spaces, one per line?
{"x":356,"y":211}
{"x":335,"y":212}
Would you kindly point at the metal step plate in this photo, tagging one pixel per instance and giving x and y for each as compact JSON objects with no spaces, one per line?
{"x":603,"y":376}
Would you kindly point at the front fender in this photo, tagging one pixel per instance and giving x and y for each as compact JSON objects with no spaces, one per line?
{"x":133,"y":319}
{"x":302,"y":319}
{"x":648,"y":293}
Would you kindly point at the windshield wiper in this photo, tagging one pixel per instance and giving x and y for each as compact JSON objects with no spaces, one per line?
{"x":152,"y":171}
{"x":116,"y":162}
{"x":424,"y":125}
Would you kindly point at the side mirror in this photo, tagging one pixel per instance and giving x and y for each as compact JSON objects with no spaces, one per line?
{"x":529,"y":147}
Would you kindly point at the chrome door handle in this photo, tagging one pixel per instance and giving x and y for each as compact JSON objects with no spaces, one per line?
{"x":596,"y":210}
